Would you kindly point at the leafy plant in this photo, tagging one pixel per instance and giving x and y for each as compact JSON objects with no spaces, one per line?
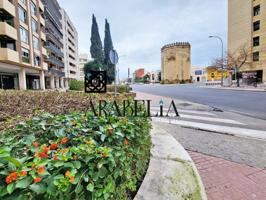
{"x":74,"y":156}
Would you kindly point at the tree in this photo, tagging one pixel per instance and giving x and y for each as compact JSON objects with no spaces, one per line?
{"x":93,"y":65}
{"x":96,"y":43}
{"x":108,"y":46}
{"x":236,"y":60}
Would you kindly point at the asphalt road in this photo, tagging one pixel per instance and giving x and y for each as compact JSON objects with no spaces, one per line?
{"x":244,"y":102}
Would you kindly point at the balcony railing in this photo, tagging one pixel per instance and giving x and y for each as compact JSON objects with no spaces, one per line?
{"x":56,"y":72}
{"x":54,"y":49}
{"x":56,"y":62}
{"x":8,"y":7}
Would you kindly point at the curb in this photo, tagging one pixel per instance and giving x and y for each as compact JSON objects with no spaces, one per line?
{"x":171,"y":175}
{"x":239,"y":89}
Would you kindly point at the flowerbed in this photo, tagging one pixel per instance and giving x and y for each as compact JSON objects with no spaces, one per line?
{"x":74,"y":156}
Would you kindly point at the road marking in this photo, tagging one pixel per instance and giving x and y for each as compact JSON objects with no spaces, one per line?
{"x":209,"y":119}
{"x":240,"y":132}
{"x":186,"y":111}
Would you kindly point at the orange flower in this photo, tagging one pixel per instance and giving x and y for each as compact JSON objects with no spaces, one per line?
{"x":88,"y":142}
{"x":64,"y":140}
{"x":67,"y":174}
{"x":126,"y":141}
{"x":65,"y":150}
{"x":53,"y":146}
{"x":46,"y":149}
{"x":41,"y":170}
{"x":11,"y":177}
{"x":104,"y":154}
{"x":33,"y":166}
{"x":35,"y":144}
{"x":43,"y":155}
{"x":110,"y":130}
{"x":74,"y":123}
{"x":71,"y":179}
{"x":37,"y":180}
{"x":23,"y":173}
{"x":55,"y":158}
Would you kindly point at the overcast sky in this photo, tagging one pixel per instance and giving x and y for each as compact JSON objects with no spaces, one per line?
{"x":140,"y":28}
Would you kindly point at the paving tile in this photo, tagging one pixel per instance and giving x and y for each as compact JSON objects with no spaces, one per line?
{"x":228,"y":180}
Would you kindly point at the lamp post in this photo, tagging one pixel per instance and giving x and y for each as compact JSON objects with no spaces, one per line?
{"x":219,"y":38}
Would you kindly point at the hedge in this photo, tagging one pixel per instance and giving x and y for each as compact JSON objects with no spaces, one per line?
{"x":74,"y":156}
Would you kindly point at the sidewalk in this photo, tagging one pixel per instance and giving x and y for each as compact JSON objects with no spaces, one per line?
{"x":228,"y":180}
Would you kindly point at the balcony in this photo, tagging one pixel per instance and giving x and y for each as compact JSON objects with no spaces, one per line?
{"x":6,"y":29}
{"x":54,"y":50}
{"x":9,"y":55}
{"x":44,"y":51}
{"x":43,"y":36}
{"x":45,"y":66}
{"x":8,"y":7}
{"x":42,"y":21}
{"x":56,"y":62}
{"x":41,"y":6}
{"x":56,"y":72}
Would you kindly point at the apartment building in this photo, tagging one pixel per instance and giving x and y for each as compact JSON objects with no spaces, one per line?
{"x":246,"y":26}
{"x":22,"y":53}
{"x":70,"y":43}
{"x":54,"y":78}
{"x":83,"y":59}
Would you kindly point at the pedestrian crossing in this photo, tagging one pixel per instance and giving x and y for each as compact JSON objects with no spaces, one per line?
{"x":208,"y":121}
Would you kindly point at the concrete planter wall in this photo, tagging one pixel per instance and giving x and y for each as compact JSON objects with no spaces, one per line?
{"x":172,"y":174}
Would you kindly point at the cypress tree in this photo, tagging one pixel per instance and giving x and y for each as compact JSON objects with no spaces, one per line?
{"x":108,"y":46}
{"x":96,"y":43}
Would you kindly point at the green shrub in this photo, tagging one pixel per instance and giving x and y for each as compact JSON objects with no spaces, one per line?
{"x":120,"y":88}
{"x":76,"y":85}
{"x":75,"y":156}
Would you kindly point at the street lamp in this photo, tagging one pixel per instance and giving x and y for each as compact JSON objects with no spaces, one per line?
{"x":219,"y":38}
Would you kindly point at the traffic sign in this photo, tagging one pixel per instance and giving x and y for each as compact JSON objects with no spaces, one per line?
{"x":113,"y":57}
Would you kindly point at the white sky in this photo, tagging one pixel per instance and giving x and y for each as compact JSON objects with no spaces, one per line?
{"x":140,"y":28}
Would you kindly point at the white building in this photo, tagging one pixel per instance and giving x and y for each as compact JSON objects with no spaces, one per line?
{"x":155,"y":76}
{"x":70,"y":40}
{"x":198,"y":74}
{"x":83,"y":59}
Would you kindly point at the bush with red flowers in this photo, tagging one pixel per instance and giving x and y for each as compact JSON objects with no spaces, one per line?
{"x":74,"y":156}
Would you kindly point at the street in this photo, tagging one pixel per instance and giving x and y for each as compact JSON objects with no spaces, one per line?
{"x":244,"y":102}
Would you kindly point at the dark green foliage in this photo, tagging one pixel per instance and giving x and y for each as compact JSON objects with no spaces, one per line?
{"x":95,"y":65}
{"x":108,"y":46}
{"x":96,"y":43}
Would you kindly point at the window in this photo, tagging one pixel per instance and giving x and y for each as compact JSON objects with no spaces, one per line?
{"x":256,"y":26}
{"x":34,"y":25}
{"x":256,"y":56}
{"x":22,"y":14}
{"x":33,"y":8}
{"x":37,"y":61}
{"x":198,"y":72}
{"x":25,"y":55}
{"x":24,"y":35}
{"x":256,"y":10}
{"x":35,"y":42}
{"x":256,"y":41}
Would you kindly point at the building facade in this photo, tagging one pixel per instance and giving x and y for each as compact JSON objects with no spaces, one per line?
{"x":22,"y":52}
{"x":155,"y":76}
{"x":54,"y":45}
{"x":139,"y":73}
{"x":198,"y":74}
{"x":176,"y":62}
{"x":83,"y":59}
{"x":246,"y":27}
{"x":70,"y":42}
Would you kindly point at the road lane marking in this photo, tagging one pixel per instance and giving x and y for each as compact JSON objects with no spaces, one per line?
{"x":240,"y":132}
{"x":187,"y":111}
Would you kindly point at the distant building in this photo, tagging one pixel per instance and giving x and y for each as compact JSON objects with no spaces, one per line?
{"x":155,"y":76}
{"x":70,"y":42}
{"x":139,"y":73}
{"x":246,"y":26}
{"x":176,"y":62}
{"x":198,"y":74}
{"x":83,"y":59}
{"x":22,"y":41}
{"x":215,"y":74}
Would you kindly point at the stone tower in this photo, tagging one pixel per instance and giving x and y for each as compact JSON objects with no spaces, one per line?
{"x":176,"y":62}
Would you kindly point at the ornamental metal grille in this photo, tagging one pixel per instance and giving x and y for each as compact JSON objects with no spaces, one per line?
{"x":95,"y":82}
